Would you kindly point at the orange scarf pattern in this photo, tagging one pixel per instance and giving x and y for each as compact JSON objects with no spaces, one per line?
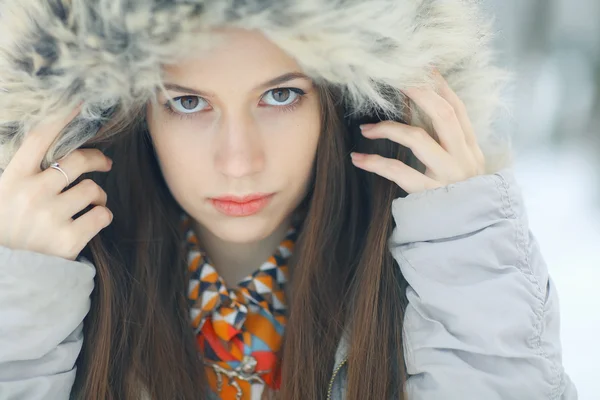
{"x":239,"y":330}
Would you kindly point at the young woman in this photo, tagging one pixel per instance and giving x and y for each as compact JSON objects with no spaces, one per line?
{"x":268,"y":199}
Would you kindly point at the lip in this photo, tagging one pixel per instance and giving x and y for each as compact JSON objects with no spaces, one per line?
{"x":241,"y":206}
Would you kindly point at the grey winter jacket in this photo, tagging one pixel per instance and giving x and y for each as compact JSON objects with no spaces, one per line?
{"x":482,"y":320}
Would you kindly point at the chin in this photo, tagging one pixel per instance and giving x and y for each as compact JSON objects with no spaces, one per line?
{"x":243,"y":230}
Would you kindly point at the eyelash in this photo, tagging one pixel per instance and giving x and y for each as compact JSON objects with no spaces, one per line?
{"x":287,"y":108}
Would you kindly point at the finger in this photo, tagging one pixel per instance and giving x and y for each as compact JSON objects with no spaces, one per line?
{"x":396,"y":171}
{"x":444,"y":119}
{"x":90,"y":224}
{"x":77,"y":198}
{"x":79,"y":162}
{"x":446,"y":92}
{"x":423,"y":146}
{"x":36,"y":144}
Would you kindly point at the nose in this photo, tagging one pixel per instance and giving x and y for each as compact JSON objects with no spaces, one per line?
{"x":240,"y":150}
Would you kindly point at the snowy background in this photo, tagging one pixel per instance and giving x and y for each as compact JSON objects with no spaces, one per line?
{"x":553,"y":49}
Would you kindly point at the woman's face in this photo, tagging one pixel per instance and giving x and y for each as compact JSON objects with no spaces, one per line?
{"x":237,"y":145}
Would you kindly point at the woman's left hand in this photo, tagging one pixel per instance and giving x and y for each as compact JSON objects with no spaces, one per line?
{"x":455,"y":158}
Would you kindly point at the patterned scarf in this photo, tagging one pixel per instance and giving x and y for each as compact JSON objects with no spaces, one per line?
{"x":239,"y":330}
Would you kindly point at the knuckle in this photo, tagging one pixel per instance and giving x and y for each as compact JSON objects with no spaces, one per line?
{"x":445,"y":111}
{"x":103,"y":196}
{"x":460,"y":105}
{"x":98,"y":156}
{"x":103,"y":216}
{"x":77,"y":158}
{"x":374,"y":159}
{"x":371,"y":161}
{"x":386,"y":124}
{"x":91,"y":188}
{"x":421,"y":134}
{"x":456,"y":173}
{"x":472,"y":163}
{"x":46,"y":185}
{"x":95,"y":153}
{"x":417,"y":136}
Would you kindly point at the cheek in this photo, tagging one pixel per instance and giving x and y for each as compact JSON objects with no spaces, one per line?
{"x":297,"y":131}
{"x":168,"y":145}
{"x":179,"y":154}
{"x":293,"y":138}
{"x":173,"y":139}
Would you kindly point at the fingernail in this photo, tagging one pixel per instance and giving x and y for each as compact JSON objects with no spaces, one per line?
{"x":366,"y":127}
{"x":357,"y":156}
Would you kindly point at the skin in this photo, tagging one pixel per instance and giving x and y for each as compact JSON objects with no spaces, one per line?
{"x":237,"y":140}
{"x":237,"y":145}
{"x":455,"y":158}
{"x":36,"y":214}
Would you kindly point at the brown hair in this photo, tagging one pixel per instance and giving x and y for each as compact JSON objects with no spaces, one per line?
{"x":137,"y":333}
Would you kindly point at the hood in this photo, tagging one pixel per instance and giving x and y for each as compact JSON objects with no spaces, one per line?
{"x":104,"y":54}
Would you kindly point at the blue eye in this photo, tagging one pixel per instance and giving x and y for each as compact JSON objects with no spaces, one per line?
{"x":188,"y":104}
{"x":282,"y":96}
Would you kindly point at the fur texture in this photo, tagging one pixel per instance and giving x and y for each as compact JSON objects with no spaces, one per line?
{"x":55,"y":54}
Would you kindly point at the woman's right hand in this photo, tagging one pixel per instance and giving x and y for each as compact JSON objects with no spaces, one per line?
{"x":35,"y":213}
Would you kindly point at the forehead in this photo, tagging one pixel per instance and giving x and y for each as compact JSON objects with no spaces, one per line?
{"x":238,"y":55}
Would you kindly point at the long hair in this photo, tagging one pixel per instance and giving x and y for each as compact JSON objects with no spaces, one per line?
{"x":137,"y":335}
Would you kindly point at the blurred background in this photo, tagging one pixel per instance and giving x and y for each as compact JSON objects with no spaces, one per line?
{"x":552,"y":48}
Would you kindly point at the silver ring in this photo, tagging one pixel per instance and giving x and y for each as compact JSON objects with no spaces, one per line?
{"x":57,"y":167}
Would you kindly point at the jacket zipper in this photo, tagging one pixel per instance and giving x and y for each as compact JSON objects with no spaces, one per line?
{"x":335,"y":372}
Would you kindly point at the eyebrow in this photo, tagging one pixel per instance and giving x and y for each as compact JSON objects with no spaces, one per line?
{"x":273,"y":82}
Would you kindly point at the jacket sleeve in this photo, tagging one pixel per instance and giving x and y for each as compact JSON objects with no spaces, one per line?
{"x":482,"y":320}
{"x":43,"y":301}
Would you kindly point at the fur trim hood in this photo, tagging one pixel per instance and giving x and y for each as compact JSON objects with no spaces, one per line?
{"x":55,"y":54}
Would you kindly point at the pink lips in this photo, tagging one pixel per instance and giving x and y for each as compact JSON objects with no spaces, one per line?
{"x":236,"y":206}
